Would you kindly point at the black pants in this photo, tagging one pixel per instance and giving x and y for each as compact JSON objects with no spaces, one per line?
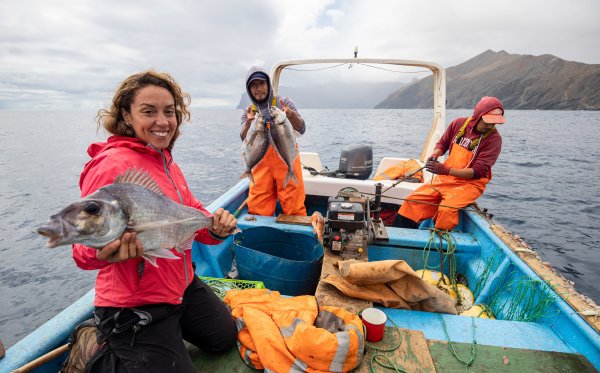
{"x":202,"y":319}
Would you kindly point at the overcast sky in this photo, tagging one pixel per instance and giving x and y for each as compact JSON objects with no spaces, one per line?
{"x":72,"y":54}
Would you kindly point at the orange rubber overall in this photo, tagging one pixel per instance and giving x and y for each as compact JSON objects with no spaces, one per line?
{"x":445,"y":190}
{"x":268,"y":176}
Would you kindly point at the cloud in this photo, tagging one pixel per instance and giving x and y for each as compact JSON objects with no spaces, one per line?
{"x":66,"y":54}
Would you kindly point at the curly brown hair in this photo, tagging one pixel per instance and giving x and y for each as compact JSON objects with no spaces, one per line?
{"x":112,"y":119}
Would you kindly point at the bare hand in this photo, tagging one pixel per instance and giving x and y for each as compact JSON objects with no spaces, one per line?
{"x":224,"y":223}
{"x":126,"y":248}
{"x":250,"y":114}
{"x":286,"y":109}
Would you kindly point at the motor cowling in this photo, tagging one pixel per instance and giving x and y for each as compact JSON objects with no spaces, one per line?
{"x":347,"y":230}
{"x":356,"y":162}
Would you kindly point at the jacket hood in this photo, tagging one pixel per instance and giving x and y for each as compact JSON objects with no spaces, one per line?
{"x":263,"y":107}
{"x":116,"y":142}
{"x":96,"y":149}
{"x":484,"y":105}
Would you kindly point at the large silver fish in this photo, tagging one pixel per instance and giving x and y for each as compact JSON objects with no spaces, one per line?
{"x":255,"y":145}
{"x":134,"y":202}
{"x":284,"y":140}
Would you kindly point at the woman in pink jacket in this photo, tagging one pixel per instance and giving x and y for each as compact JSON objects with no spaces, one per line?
{"x":145,"y":312}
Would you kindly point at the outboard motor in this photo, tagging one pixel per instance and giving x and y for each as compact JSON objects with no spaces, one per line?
{"x":356,"y":162}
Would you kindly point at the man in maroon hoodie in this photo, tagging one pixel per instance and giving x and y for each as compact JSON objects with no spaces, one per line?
{"x":474,"y":144}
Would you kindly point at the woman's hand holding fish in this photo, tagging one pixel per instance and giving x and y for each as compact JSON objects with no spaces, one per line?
{"x":126,"y":248}
{"x":224,"y":223}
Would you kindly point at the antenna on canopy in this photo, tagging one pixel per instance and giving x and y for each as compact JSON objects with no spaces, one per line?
{"x":356,"y":51}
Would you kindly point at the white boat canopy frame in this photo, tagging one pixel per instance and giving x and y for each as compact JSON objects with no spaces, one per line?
{"x":438,"y":124}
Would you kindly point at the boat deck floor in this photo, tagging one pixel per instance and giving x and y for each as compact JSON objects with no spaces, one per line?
{"x":525,"y":335}
{"x":415,"y":353}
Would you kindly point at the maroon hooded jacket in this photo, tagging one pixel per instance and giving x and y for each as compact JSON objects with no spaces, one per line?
{"x":488,"y":150}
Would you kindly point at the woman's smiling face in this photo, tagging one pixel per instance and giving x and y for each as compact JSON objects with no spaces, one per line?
{"x":152,"y":116}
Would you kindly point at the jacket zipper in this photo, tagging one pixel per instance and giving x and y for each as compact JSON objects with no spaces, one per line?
{"x":164,"y":160}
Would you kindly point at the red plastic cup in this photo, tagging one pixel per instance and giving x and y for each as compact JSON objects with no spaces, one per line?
{"x":374,"y":320}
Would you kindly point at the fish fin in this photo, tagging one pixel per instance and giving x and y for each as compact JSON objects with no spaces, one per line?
{"x":139,"y":177}
{"x":151,"y":259}
{"x":248,"y":175}
{"x":187,"y":244}
{"x":235,"y":230}
{"x":159,"y":253}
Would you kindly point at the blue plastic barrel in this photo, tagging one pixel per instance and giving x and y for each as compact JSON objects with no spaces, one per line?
{"x":288,"y":262}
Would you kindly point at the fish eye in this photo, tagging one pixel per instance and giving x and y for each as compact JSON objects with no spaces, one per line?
{"x":92,"y":208}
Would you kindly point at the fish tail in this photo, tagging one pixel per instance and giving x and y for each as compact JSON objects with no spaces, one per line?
{"x":247,"y":174}
{"x":290,"y":176}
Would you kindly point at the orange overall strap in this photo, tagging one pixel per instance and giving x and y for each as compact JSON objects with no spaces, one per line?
{"x":450,"y":191}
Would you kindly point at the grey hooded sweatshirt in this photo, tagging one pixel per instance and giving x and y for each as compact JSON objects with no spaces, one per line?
{"x":263,"y":107}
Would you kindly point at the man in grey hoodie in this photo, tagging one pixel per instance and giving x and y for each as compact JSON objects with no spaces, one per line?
{"x":269,"y":174}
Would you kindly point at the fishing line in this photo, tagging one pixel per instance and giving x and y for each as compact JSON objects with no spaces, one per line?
{"x":360,"y":64}
{"x":528,"y":302}
{"x":317,"y":69}
{"x":466,"y":363}
{"x":490,"y":266}
{"x":394,"y":71}
{"x":425,"y":203}
{"x":406,"y":177}
{"x":390,"y":364}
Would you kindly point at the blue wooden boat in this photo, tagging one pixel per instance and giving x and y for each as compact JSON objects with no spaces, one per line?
{"x":540,"y":322}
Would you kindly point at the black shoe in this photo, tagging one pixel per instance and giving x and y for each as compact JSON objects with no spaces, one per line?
{"x":403,"y":222}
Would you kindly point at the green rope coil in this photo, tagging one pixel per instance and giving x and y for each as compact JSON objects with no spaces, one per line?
{"x":448,"y":256}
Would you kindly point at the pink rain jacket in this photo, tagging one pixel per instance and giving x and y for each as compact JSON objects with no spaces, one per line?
{"x":119,"y":284}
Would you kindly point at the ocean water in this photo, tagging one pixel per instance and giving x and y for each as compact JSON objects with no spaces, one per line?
{"x":545,"y":187}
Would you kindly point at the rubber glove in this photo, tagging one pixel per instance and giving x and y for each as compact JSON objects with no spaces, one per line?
{"x":433,"y":157}
{"x":436,"y":167}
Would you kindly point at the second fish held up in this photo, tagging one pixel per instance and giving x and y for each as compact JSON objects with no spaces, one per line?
{"x":284,"y":141}
{"x":255,"y":145}
{"x":279,"y":133}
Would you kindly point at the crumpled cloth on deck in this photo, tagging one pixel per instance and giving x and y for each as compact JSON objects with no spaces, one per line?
{"x":392,"y":283}
{"x":285,"y":334}
{"x":400,"y":169}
